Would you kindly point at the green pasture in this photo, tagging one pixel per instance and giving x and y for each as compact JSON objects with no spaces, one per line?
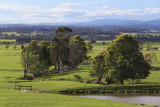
{"x":11,"y":44}
{"x":153,"y":33}
{"x":7,"y":40}
{"x":11,"y":33}
{"x":152,"y":44}
{"x":11,"y":74}
{"x":18,"y":34}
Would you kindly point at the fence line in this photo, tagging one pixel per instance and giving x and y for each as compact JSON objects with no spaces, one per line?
{"x":19,"y":87}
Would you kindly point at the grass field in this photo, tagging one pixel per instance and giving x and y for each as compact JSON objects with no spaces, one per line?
{"x":153,"y":33}
{"x":11,"y":74}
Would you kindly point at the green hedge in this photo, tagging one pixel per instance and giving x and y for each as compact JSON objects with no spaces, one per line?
{"x":112,"y":89}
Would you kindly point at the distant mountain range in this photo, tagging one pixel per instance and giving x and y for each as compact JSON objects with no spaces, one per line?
{"x":108,"y":22}
{"x":118,"y":22}
{"x":114,"y":22}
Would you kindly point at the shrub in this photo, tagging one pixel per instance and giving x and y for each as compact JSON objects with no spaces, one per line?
{"x":87,"y":81}
{"x":93,"y":41}
{"x":78,"y":78}
{"x":103,"y":43}
{"x":52,"y":68}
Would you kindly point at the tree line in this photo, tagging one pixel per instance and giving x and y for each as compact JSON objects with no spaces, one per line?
{"x":143,"y":37}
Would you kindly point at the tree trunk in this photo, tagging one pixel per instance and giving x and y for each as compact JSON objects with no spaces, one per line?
{"x":58,"y":67}
{"x":122,"y":82}
{"x":99,"y":80}
{"x":25,"y":76}
{"x":108,"y":81}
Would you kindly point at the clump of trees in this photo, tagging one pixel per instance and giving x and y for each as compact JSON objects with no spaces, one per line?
{"x":121,"y":61}
{"x":62,"y":52}
{"x":35,"y":59}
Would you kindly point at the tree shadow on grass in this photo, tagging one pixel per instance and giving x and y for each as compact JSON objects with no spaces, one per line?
{"x":9,"y":70}
{"x":81,"y":69}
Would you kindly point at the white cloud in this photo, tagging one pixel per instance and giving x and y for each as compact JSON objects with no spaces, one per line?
{"x":93,"y":2}
{"x":37,"y":14}
{"x":97,"y":2}
{"x":72,"y":4}
{"x":104,"y":7}
{"x":5,"y":7}
{"x":137,"y":12}
{"x":67,"y":12}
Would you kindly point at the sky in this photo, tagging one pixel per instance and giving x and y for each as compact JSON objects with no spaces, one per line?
{"x":72,"y":11}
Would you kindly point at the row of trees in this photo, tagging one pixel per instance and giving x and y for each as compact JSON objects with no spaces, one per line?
{"x":143,"y":37}
{"x":121,"y":61}
{"x":62,"y":52}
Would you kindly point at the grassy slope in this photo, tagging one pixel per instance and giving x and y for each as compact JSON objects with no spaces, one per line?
{"x":10,"y":72}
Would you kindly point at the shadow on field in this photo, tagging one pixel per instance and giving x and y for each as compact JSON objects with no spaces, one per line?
{"x":82,"y":69}
{"x":9,"y":70}
{"x":19,"y":81}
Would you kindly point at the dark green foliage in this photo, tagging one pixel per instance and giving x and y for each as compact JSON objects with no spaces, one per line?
{"x":124,"y":61}
{"x":103,"y":43}
{"x":63,"y":30}
{"x":33,"y":47}
{"x":68,"y":51}
{"x":78,"y":51}
{"x":35,"y":59}
{"x":112,"y":89}
{"x":39,"y":67}
{"x":98,"y":67}
{"x":44,"y":52}
{"x":78,"y":78}
{"x":89,"y":47}
{"x":22,"y":47}
{"x":59,"y":51}
{"x":93,"y":41}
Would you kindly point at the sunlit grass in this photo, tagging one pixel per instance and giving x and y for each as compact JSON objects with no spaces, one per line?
{"x":11,"y":73}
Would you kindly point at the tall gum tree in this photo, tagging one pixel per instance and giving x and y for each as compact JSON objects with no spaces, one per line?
{"x":59,"y":51}
{"x":78,"y":51}
{"x":29,"y":56}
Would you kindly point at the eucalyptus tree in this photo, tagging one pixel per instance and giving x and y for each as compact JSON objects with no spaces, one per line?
{"x":78,"y":51}
{"x":59,"y":52}
{"x":89,"y":47}
{"x":63,"y":30}
{"x":29,"y":56}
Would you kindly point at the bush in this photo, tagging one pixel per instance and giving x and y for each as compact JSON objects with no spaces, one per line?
{"x":78,"y":78}
{"x":103,"y":43}
{"x":87,"y":81}
{"x":30,"y":77}
{"x":155,"y":48}
{"x":52,"y":68}
{"x":93,"y":41}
